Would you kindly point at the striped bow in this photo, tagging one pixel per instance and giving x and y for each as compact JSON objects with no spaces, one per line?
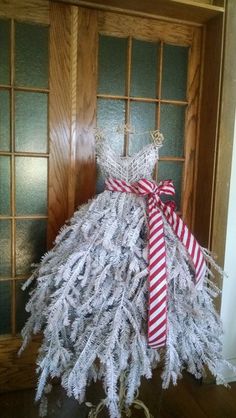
{"x":157,"y":319}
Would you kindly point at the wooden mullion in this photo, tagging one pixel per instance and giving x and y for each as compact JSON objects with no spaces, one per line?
{"x":13,"y":211}
{"x":160,"y":82}
{"x":174,"y":102}
{"x":128,"y":81}
{"x":5,"y":86}
{"x":177,"y":159}
{"x":158,"y":116}
{"x":142,"y":99}
{"x":17,"y":278}
{"x":24,"y":154}
{"x":112,"y":96}
{"x":24,"y":217}
{"x":31,"y":89}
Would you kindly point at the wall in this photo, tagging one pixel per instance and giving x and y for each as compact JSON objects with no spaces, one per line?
{"x":228,"y":307}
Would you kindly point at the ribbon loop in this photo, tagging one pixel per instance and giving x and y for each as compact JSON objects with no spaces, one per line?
{"x":157,"y":320}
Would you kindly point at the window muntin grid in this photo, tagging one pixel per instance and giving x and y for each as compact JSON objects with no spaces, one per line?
{"x":23,"y":215}
{"x":155,"y":97}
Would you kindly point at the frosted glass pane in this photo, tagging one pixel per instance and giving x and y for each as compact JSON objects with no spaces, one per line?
{"x":31,"y":55}
{"x":172,"y":170}
{"x":30,"y":243}
{"x":172,"y":125}
{"x":112,"y":65}
{"x":4,"y":51}
{"x":110,"y":114}
{"x":5,"y":201}
{"x":22,"y":297}
{"x":144,"y":69}
{"x":5,"y":307}
{"x":143,"y":118}
{"x":31,"y":185}
{"x":100,"y":180}
{"x":5,"y":248}
{"x":175,"y":68}
{"x":4,"y":120}
{"x":31,"y":122}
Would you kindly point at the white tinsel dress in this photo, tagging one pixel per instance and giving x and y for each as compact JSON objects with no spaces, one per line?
{"x":91,"y":295}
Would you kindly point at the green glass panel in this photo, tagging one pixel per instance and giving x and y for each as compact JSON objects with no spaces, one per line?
{"x":31,"y":185}
{"x":5,"y":201}
{"x":31,"y":130}
{"x":5,"y":307}
{"x":5,"y":247}
{"x":30,"y":243}
{"x":112,"y":65}
{"x":172,"y":170}
{"x":22,"y":297}
{"x":4,"y":51}
{"x":110,"y":114}
{"x":143,"y":119}
{"x":144,"y":69}
{"x":100,"y":180}
{"x":31,"y":60}
{"x":175,"y":68}
{"x":172,"y":125}
{"x":4,"y":120}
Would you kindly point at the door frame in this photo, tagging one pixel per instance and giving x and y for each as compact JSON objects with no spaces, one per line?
{"x":15,"y":372}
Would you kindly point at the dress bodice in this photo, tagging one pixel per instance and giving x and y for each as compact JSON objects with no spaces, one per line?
{"x":130,"y":168}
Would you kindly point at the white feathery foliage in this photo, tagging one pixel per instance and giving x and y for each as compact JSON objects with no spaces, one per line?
{"x":90,"y":298}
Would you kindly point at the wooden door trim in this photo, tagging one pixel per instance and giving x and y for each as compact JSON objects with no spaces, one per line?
{"x":226,"y":127}
{"x":189,"y":12}
{"x":120,"y":25}
{"x":17,"y":372}
{"x":62,"y":109}
{"x":26,"y":10}
{"x":192,"y":128}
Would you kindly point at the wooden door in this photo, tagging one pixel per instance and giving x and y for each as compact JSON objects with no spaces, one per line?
{"x":104,"y":69}
{"x":24,"y":160}
{"x":147,"y":74}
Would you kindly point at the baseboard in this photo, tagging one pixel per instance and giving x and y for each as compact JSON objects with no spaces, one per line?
{"x":229,"y":375}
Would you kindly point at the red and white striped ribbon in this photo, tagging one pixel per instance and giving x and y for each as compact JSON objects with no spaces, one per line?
{"x":157,"y":319}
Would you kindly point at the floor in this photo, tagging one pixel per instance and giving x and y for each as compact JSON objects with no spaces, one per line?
{"x":189,"y":399}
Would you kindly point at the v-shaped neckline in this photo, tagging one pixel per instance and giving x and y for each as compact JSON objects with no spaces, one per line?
{"x":129,"y":158}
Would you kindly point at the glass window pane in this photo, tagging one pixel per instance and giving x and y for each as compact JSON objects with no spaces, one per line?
{"x":4,"y":51}
{"x":142,"y":119}
{"x":5,"y":307}
{"x":172,"y":125}
{"x":5,"y":200}
{"x":31,"y":130}
{"x":112,"y":65}
{"x":110,"y":114}
{"x":144,"y":69}
{"x":31,"y":185}
{"x":30,"y":243}
{"x":4,"y":120}
{"x":22,"y":297}
{"x":31,"y":55}
{"x":5,"y":247}
{"x":175,"y":67}
{"x":172,"y":170}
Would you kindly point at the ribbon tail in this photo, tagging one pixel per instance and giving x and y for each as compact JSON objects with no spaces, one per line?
{"x":157,"y":320}
{"x":190,"y":243}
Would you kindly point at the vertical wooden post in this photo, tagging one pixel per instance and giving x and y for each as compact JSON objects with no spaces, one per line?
{"x":85,"y":169}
